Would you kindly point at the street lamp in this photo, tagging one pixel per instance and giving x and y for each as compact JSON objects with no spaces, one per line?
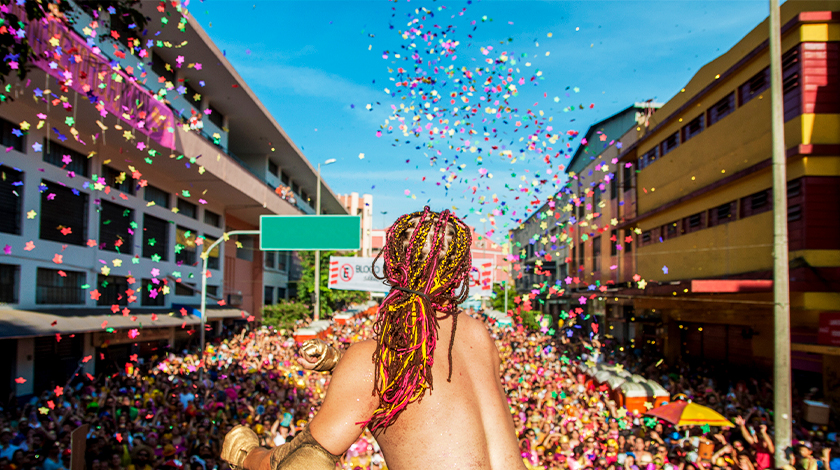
{"x":318,"y":252}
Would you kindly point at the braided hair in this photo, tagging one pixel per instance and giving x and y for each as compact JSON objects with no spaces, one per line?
{"x":427,"y":263}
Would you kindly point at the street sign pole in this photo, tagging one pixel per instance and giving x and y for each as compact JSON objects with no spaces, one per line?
{"x":204,"y":259}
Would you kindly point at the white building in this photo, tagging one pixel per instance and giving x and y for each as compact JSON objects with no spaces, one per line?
{"x":108,"y":198}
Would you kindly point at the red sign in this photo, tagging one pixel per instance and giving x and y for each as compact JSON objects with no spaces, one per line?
{"x":829,"y":334}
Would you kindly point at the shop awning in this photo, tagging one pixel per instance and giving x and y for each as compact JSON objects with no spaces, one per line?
{"x":17,"y":323}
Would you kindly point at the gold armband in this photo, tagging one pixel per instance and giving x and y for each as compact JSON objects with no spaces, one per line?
{"x":327,"y":355}
{"x":303,"y":453}
{"x":239,"y":442}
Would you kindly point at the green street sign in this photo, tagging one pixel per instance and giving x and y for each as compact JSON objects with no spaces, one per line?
{"x":310,"y":232}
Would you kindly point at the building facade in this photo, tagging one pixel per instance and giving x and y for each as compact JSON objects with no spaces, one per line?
{"x":703,"y":218}
{"x":121,"y":166}
{"x":363,"y":207}
{"x":571,"y":247}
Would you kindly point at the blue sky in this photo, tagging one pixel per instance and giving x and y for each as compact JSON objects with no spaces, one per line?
{"x":317,"y":65}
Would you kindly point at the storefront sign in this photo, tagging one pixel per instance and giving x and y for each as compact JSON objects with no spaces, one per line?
{"x":357,"y":273}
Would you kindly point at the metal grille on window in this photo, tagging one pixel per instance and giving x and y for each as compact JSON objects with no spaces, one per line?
{"x":54,"y":287}
{"x":185,"y":246}
{"x":64,"y":214}
{"x":155,"y":237}
{"x":66,"y":158}
{"x":115,"y":228}
{"x":11,"y":190}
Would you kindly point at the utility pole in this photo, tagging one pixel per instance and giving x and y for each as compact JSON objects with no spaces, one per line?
{"x":781,"y":294}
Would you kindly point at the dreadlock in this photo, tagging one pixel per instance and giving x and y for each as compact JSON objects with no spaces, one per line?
{"x":427,"y":263}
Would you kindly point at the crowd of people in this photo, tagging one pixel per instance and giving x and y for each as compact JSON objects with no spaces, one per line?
{"x":161,"y":413}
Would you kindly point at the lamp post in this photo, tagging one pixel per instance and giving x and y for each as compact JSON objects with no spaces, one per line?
{"x":205,"y":257}
{"x":317,"y":279}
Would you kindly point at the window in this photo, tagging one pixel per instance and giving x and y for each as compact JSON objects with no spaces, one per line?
{"x":281,"y":293}
{"x":64,"y":214}
{"x":754,"y":86}
{"x":118,"y":180}
{"x":216,"y":117}
{"x":151,"y":294}
{"x":187,"y":208}
{"x":59,"y":287}
{"x":794,"y":212}
{"x":628,"y":177}
{"x":646,"y":237}
{"x":613,"y":242}
{"x":614,"y":187}
{"x":66,"y":158}
{"x":115,"y":228}
{"x":295,"y":188}
{"x":246,"y":253}
{"x":268,"y":295}
{"x":161,"y":68}
{"x":213,"y":291}
{"x":112,"y":290}
{"x":269,"y":259}
{"x":722,"y":214}
{"x":155,"y":238}
{"x":212,"y":218}
{"x":596,"y":199}
{"x":694,"y":222}
{"x":282,"y":257}
{"x":185,"y":246}
{"x":790,"y":70}
{"x":596,"y":254}
{"x":721,"y":109}
{"x":628,"y":246}
{"x":284,"y":178}
{"x":213,"y":256}
{"x":649,"y":158}
{"x":11,"y":192}
{"x":9,"y":282}
{"x":156,"y":195}
{"x":670,"y":143}
{"x":190,"y":95}
{"x":672,"y":230}
{"x":8,"y":137}
{"x":184,"y":289}
{"x":758,"y":200}
{"x":694,"y":127}
{"x":581,"y":258}
{"x":794,"y":188}
{"x":273,"y":168}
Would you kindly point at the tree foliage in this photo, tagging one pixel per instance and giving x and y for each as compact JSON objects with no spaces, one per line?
{"x":499,"y":297}
{"x":15,"y":49}
{"x":285,"y":313}
{"x":331,"y":299}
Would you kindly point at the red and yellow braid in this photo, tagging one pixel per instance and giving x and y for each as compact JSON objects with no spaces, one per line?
{"x":427,"y":262}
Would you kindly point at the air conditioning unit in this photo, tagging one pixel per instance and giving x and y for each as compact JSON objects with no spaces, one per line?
{"x":234,"y":299}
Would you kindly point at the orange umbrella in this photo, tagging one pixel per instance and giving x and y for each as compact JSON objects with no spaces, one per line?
{"x":683,"y":413}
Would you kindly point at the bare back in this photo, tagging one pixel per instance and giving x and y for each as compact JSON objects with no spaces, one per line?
{"x":464,"y":423}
